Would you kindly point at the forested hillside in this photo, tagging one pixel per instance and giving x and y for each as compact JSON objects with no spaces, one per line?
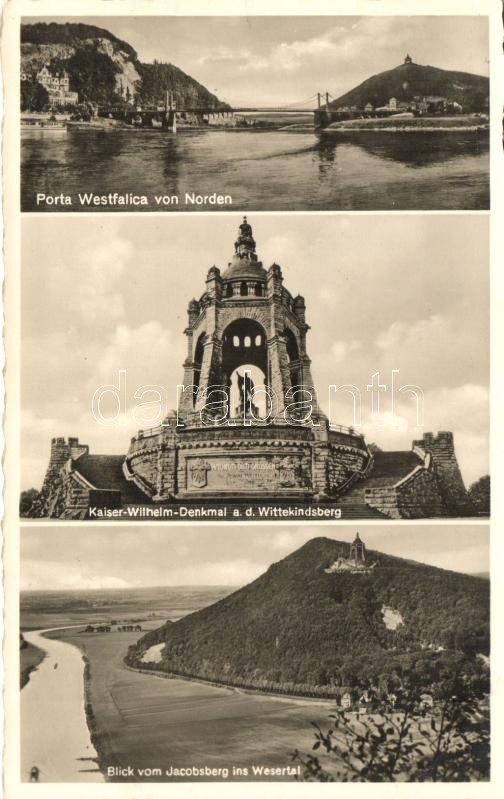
{"x":410,"y":80}
{"x":106,"y":70}
{"x":297,"y":625}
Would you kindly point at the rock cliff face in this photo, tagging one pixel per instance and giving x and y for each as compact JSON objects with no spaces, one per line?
{"x":102,"y":68}
{"x":34,"y":56}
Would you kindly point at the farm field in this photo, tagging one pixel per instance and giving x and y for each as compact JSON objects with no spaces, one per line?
{"x":42,"y":609}
{"x":144,"y":721}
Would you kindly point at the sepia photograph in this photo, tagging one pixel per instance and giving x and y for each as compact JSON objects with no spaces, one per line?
{"x":289,"y":654}
{"x":252,"y":329}
{"x":306,"y":367}
{"x":173,"y":113}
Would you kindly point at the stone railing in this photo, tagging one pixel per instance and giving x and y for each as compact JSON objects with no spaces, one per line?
{"x":360,"y":474}
{"x":137,"y":479}
{"x":411,"y":475}
{"x":150,"y":432}
{"x":277,"y":421}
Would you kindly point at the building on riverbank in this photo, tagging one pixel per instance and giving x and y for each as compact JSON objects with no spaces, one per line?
{"x":57,"y":85}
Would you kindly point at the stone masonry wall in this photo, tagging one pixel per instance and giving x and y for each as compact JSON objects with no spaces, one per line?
{"x":159,"y":461}
{"x":418,"y":497}
{"x":421,"y":497}
{"x":343,"y":462}
{"x":52,"y":487}
{"x":454,"y":495}
{"x":144,"y":459}
{"x":72,"y":501}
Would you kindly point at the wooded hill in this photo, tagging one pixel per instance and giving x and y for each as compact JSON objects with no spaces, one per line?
{"x":410,"y":80}
{"x":298,"y":626}
{"x":105,"y":69}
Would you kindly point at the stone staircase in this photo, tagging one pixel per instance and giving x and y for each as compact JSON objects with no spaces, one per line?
{"x":353,"y":505}
{"x":389,"y":467}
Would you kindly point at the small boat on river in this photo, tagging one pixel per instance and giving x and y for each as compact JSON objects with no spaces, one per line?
{"x":43,"y":124}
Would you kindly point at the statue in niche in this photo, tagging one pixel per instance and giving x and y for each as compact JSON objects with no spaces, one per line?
{"x":246,"y":388}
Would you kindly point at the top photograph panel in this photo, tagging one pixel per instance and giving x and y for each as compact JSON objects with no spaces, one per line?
{"x":169,"y":114}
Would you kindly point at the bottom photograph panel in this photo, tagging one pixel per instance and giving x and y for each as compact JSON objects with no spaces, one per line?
{"x":257,"y":653}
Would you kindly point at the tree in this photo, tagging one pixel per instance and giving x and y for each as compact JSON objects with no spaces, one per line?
{"x":479,"y":492}
{"x":40,"y":98}
{"x":26,"y":501}
{"x":92,"y":75}
{"x":411,"y":741}
{"x":26,"y":94}
{"x":34,"y":96}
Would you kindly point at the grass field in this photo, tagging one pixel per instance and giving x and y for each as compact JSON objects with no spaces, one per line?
{"x":144,"y":721}
{"x":31,"y":657}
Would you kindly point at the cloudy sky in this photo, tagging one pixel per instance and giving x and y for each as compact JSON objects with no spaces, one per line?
{"x":383,"y":292}
{"x":256,"y":60}
{"x":98,"y":557}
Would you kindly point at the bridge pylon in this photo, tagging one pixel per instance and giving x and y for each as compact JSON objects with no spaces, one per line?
{"x":323,"y":115}
{"x":170,"y":111}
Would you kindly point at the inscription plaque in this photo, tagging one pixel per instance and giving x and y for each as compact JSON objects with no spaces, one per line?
{"x":250,"y":473}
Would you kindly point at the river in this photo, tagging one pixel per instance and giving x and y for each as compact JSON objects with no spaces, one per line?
{"x":260,"y":170}
{"x":55,"y":737}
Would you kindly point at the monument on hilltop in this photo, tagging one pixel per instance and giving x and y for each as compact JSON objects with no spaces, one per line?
{"x":358,"y":551}
{"x":355,"y":563}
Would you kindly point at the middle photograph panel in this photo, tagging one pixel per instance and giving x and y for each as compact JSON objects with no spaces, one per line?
{"x":272,"y":367}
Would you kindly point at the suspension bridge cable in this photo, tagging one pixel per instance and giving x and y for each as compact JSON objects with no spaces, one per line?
{"x":293,"y":105}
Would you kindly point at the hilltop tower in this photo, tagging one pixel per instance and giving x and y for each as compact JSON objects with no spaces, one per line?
{"x":408,"y":59}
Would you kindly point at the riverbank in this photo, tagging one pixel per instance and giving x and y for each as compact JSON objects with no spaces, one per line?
{"x":32,"y":119}
{"x":458,"y":124}
{"x":99,"y":739}
{"x":31,"y":657}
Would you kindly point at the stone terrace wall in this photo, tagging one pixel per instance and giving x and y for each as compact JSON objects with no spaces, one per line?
{"x":160,"y":461}
{"x":145,"y":458}
{"x":417,"y":498}
{"x":49,"y":499}
{"x":454,"y":495}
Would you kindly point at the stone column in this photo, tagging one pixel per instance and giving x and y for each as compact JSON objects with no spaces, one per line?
{"x":278,"y":377}
{"x":186,"y":397}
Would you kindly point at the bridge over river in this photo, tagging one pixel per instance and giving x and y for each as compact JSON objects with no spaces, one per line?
{"x":167,"y":114}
